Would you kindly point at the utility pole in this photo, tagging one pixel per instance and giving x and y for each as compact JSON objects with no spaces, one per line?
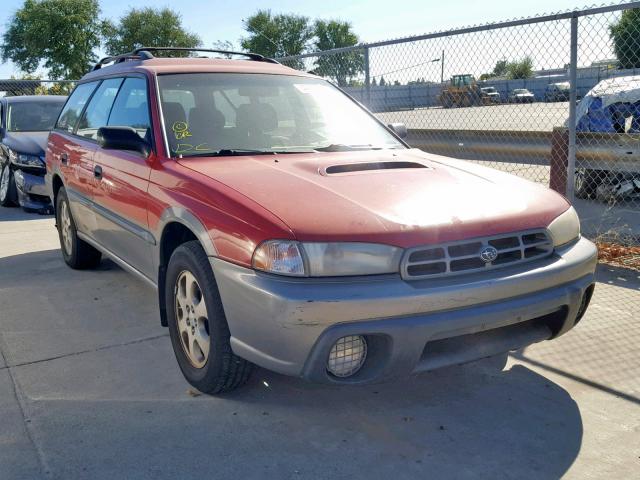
{"x":442,"y":67}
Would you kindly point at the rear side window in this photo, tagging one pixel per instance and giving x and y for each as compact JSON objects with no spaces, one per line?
{"x":97,"y":112}
{"x":73,"y":108}
{"x":131,"y":108}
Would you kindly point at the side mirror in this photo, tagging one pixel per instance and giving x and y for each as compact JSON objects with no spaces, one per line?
{"x":122,"y":138}
{"x":400,"y":129}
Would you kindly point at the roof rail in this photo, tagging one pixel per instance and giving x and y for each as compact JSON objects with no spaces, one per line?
{"x":144,"y":53}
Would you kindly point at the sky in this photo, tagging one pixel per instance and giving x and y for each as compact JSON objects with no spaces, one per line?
{"x":372,"y":20}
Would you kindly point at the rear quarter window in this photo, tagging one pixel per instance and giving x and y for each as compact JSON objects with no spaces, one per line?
{"x":72,"y":110}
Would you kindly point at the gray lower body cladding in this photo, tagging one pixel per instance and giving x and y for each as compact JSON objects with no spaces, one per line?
{"x":289,"y":324}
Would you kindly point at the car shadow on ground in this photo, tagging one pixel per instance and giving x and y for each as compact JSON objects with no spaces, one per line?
{"x":131,"y":410}
{"x":13,"y":214}
{"x":513,"y":423}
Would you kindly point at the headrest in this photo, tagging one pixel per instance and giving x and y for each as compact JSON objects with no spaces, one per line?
{"x":260,"y":117}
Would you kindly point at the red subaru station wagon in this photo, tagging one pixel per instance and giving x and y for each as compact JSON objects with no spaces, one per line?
{"x":283,"y":225}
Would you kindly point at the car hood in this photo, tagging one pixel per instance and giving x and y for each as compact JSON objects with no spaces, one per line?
{"x":349,"y":196}
{"x":32,"y":143}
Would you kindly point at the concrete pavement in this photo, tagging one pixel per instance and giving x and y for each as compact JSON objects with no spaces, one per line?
{"x":89,"y":389}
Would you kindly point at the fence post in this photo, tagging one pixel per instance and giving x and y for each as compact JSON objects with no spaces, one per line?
{"x":573,"y":98}
{"x":367,"y":77}
{"x":558,"y":161}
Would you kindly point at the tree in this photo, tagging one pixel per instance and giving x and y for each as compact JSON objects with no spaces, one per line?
{"x":520,"y":69}
{"x":501,"y":69}
{"x":279,"y":35}
{"x":382,"y":82}
{"x":147,"y":27}
{"x":625,"y":35}
{"x":341,"y":66}
{"x":59,"y":35}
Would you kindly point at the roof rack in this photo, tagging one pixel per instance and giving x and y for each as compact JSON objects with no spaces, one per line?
{"x":144,"y":53}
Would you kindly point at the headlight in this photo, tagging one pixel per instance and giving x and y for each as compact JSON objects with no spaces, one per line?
{"x":25,"y":160}
{"x":565,"y":228}
{"x":326,"y":259}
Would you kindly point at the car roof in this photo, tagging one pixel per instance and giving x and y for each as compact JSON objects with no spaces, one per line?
{"x":35,"y":98}
{"x":159,"y":66}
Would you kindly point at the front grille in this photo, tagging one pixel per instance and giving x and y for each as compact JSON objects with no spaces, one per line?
{"x":466,"y":256}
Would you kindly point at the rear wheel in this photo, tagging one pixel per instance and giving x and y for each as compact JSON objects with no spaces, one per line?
{"x":8,"y":192}
{"x":197,"y":324}
{"x":77,"y":253}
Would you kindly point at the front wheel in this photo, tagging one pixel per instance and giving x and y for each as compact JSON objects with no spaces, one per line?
{"x":8,"y":192}
{"x":197,"y":324}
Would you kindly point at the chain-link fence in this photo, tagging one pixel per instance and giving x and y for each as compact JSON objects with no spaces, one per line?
{"x":554,"y":99}
{"x":14,"y":87}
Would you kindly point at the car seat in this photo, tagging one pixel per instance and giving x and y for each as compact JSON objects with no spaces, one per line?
{"x":254,"y":121}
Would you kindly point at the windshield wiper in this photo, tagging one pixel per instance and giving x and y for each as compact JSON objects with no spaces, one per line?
{"x":236,"y":152}
{"x":342,"y":147}
{"x":229,"y":152}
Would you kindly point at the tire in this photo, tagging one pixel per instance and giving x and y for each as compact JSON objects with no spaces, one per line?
{"x":219,"y":369}
{"x":586,"y":183}
{"x":8,"y":191}
{"x":77,"y":253}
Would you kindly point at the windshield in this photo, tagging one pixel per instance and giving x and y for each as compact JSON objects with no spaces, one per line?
{"x":224,"y":112}
{"x":32,"y":116}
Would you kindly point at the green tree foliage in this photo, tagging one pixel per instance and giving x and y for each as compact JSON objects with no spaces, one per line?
{"x":340,"y":67}
{"x":501,"y":69}
{"x":147,"y":27}
{"x":626,"y":38}
{"x":520,"y":69}
{"x":278,"y":35}
{"x":59,"y":35}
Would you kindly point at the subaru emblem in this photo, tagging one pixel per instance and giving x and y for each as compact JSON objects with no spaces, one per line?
{"x":488,"y":254}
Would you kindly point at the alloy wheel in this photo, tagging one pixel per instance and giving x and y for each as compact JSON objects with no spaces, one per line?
{"x":66,"y":228}
{"x":192,"y":319}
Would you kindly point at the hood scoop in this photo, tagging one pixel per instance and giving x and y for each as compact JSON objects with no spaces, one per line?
{"x":370,"y":166}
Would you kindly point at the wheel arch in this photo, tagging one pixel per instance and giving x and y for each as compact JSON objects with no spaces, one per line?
{"x":56,"y":185}
{"x":177,"y":226}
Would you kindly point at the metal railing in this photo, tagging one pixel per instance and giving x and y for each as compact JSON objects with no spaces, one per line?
{"x":461,"y":93}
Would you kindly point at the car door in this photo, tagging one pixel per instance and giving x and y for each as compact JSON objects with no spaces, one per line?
{"x":122,"y":183}
{"x":72,"y":157}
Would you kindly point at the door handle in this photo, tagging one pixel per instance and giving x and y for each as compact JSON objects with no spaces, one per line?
{"x":64,"y":158}
{"x":97,"y":172}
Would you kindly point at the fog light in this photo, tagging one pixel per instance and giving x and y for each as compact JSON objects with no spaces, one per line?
{"x":347,"y":356}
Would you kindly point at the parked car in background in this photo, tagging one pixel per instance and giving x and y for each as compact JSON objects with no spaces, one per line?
{"x":557,"y":92}
{"x":521,"y":95}
{"x":611,"y":109}
{"x":283,"y":225}
{"x":25,"y":122}
{"x":490,"y":95}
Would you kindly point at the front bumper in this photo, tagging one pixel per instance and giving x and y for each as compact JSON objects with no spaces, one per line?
{"x":32,"y":191}
{"x":289,"y":324}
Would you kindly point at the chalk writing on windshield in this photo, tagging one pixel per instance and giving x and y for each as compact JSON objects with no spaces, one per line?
{"x":180,"y":130}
